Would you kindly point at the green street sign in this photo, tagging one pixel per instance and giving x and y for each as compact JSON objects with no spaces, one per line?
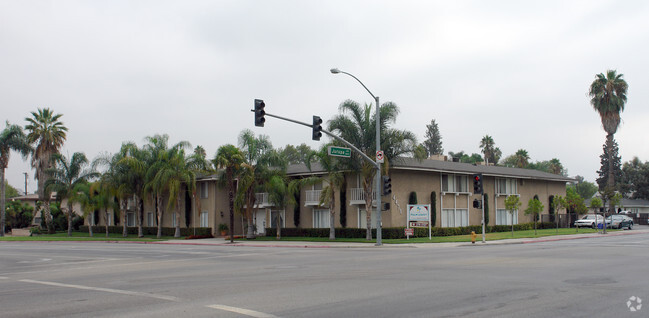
{"x":339,"y":151}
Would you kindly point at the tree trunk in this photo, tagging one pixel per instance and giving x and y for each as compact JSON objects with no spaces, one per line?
{"x":48,"y":217}
{"x":332,"y":215}
{"x":106,"y":220}
{"x":611,"y":174}
{"x":367,"y":188}
{"x":122,"y":217}
{"x":2,"y":202}
{"x":159,"y":214}
{"x":177,"y":233}
{"x":70,"y":217}
{"x":278,"y":225}
{"x":138,"y":211}
{"x":89,"y":229}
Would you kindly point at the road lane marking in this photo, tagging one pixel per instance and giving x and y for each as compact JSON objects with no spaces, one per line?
{"x":243,"y":311}
{"x":107,"y":290}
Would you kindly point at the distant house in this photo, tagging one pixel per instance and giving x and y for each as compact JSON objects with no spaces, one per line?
{"x":32,"y":200}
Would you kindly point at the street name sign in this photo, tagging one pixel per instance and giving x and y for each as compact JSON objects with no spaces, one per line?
{"x":339,"y":151}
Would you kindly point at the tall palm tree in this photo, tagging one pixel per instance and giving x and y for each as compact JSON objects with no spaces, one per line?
{"x":229,"y":158}
{"x":487,"y":148}
{"x":608,"y":97}
{"x":119,"y":178}
{"x":48,"y":133}
{"x":522,"y":158}
{"x":136,"y":161}
{"x":64,"y":177}
{"x":357,"y":125}
{"x":11,"y":138}
{"x":198,"y":163}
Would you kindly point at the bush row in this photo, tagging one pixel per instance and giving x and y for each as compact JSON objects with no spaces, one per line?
{"x":149,"y":230}
{"x":398,"y":232}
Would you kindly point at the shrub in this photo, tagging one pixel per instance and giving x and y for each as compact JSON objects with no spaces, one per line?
{"x":149,"y":230}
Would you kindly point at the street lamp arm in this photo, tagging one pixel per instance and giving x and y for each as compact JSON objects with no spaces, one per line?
{"x":335,"y":71}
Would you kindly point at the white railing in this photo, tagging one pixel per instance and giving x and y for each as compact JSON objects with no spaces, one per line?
{"x":357,"y":196}
{"x":312,"y":197}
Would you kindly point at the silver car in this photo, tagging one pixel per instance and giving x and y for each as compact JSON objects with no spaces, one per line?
{"x":590,"y":220}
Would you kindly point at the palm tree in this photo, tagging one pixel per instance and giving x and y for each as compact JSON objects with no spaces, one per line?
{"x":81,"y":194}
{"x":357,"y":125}
{"x":136,"y":162}
{"x":261,"y":162}
{"x":118,"y":178}
{"x":158,"y":176}
{"x":11,"y":138}
{"x":64,"y":177}
{"x":487,"y":148}
{"x":174,"y":173}
{"x":608,"y":96}
{"x":48,"y":134}
{"x":198,"y":163}
{"x":522,"y":158}
{"x":334,"y":181}
{"x":229,"y":158}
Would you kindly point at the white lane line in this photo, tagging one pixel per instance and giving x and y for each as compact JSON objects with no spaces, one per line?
{"x":2,"y":277}
{"x":108,"y":290}
{"x":243,"y":311}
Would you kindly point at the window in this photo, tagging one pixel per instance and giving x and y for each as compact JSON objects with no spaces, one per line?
{"x":273,"y":218}
{"x":455,"y":217}
{"x":362,"y":219}
{"x":204,"y":219}
{"x":204,"y":188}
{"x":503,"y":217}
{"x":454,"y":183}
{"x":506,"y":186}
{"x":320,"y":218}
{"x":149,"y":219}
{"x":130,"y":219}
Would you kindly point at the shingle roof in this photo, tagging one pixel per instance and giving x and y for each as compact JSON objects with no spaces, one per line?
{"x":449,"y":167}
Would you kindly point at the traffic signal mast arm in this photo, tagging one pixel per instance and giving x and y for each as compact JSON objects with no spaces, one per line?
{"x":374,"y":163}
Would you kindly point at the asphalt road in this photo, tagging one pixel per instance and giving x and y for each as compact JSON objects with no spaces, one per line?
{"x":592,"y":277}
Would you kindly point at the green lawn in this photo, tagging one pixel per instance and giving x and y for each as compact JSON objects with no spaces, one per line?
{"x":443,"y":239}
{"x":83,"y":236}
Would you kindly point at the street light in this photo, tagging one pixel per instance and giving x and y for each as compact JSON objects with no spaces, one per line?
{"x":378,"y":165}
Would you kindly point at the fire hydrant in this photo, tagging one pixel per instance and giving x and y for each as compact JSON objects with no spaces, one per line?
{"x":473,"y":235}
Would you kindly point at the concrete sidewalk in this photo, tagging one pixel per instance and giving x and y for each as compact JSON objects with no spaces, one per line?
{"x":334,"y":244}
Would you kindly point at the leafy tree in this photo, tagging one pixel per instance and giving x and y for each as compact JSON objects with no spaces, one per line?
{"x":575,"y":203}
{"x":433,"y":142}
{"x":558,"y":203}
{"x":19,"y":214}
{"x":357,"y":125}
{"x":608,"y":161}
{"x":512,"y":203}
{"x":65,"y":175}
{"x":81,"y":194}
{"x":229,"y":158}
{"x":48,"y":134}
{"x":486,"y":209}
{"x":596,"y":204}
{"x":635,"y":179}
{"x":10,"y":192}
{"x":608,"y":96}
{"x":583,"y":188}
{"x":433,"y":208}
{"x":463,"y":157}
{"x":11,"y":138}
{"x":420,"y":152}
{"x":412,"y":198}
{"x":295,"y":155}
{"x":534,"y":207}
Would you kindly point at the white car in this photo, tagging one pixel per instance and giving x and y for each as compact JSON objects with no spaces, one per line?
{"x":589,"y":220}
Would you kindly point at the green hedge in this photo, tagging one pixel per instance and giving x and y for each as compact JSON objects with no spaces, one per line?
{"x":147,"y":230}
{"x":398,"y":233}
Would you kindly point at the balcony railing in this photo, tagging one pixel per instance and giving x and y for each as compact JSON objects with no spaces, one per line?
{"x":357,"y":196}
{"x":261,"y":200}
{"x":312,"y":198}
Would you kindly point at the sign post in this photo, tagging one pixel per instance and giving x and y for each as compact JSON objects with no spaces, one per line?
{"x":419,"y":216}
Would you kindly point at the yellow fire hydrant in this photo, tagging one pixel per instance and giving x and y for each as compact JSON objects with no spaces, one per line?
{"x":473,"y":235}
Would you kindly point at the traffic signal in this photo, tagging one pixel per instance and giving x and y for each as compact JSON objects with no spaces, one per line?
{"x":317,"y":128}
{"x":477,"y":183}
{"x":387,"y":185}
{"x":259,"y":113}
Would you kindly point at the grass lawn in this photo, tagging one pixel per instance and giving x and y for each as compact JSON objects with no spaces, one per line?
{"x":83,"y":236}
{"x":443,"y":239}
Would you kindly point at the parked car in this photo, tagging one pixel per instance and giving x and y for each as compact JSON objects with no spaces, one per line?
{"x":618,"y":221}
{"x":590,"y":220}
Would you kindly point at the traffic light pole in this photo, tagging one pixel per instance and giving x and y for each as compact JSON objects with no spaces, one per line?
{"x":483,"y":225}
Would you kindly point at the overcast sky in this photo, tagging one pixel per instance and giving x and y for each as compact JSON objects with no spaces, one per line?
{"x":516,"y":70}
